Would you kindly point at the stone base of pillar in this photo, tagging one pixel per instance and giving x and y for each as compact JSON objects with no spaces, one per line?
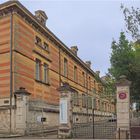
{"x":64,"y":133}
{"x":123,"y":134}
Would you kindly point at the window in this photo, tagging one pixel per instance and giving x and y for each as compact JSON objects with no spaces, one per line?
{"x":89,"y":102}
{"x":94,"y":103}
{"x":83,"y":100}
{"x":94,"y":90}
{"x":75,"y":74}
{"x":94,"y":84}
{"x":89,"y":83}
{"x":46,"y":73}
{"x":38,"y":69}
{"x":46,"y":46}
{"x":38,"y":41}
{"x":83,"y":77}
{"x":75,"y":99}
{"x":65,"y":67}
{"x":103,"y":106}
{"x":98,"y":105}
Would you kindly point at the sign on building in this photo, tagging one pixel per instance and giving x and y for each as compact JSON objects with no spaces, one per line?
{"x":63,"y":111}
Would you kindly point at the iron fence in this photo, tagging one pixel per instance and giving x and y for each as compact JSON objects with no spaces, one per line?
{"x":135,"y":124}
{"x":90,"y":123}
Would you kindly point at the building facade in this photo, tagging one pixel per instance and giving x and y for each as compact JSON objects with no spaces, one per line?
{"x":32,"y":57}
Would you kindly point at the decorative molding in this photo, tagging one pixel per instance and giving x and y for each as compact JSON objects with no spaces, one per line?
{"x":42,"y":55}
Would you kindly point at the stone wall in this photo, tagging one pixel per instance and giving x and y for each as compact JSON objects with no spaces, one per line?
{"x":4,"y":121}
{"x":26,"y":119}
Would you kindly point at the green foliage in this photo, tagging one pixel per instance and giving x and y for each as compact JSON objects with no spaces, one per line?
{"x":136,"y":71}
{"x":110,"y":90}
{"x":122,"y":58}
{"x":132,"y":20}
{"x":110,"y":84}
{"x":125,"y":56}
{"x":125,"y":60}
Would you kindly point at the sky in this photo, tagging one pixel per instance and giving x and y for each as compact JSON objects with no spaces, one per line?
{"x":89,"y":24}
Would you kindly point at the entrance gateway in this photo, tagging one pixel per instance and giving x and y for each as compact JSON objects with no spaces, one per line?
{"x":83,"y":121}
{"x":123,"y":108}
{"x":72,"y":126}
{"x":128,"y":118}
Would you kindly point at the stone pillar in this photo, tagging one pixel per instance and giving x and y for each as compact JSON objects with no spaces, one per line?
{"x":65,"y":117}
{"x":123,"y":108}
{"x":22,"y":97}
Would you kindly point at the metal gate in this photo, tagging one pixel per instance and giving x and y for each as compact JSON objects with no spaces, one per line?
{"x":82,"y":125}
{"x":105,"y":128}
{"x":90,"y":123}
{"x":135,"y":125}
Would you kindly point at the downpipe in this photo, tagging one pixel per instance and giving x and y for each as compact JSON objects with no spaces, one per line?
{"x":11,"y":66}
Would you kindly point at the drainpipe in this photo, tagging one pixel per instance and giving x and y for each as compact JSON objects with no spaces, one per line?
{"x":59,"y":66}
{"x":11,"y":71}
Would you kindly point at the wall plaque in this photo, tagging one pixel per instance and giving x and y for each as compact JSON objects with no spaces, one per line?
{"x":63,"y":111}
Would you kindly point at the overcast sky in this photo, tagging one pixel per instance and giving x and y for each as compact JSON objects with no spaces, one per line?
{"x":89,"y":24}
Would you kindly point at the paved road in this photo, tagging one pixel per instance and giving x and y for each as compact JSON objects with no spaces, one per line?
{"x":30,"y":137}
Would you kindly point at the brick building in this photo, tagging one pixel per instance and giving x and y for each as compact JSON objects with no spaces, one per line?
{"x":31,"y":56}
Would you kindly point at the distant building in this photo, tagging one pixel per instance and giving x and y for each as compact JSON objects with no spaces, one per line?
{"x":32,"y":57}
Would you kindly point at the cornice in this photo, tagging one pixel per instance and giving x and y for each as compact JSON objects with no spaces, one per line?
{"x":17,"y":7}
{"x":42,"y":55}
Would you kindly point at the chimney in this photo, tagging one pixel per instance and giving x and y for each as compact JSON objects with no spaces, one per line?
{"x":74,"y":49}
{"x":98,"y":73}
{"x":41,"y":16}
{"x":88,"y":63}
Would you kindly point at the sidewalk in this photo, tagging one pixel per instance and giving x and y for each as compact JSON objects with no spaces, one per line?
{"x":30,"y":137}
{"x":9,"y":136}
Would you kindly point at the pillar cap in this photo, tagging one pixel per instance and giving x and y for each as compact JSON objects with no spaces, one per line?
{"x":123,"y":81}
{"x":65,"y":88}
{"x":22,"y":91}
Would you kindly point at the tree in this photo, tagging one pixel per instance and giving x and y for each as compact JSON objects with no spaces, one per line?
{"x":132,"y":20}
{"x":122,"y":60}
{"x":110,"y":89}
{"x":136,"y":71}
{"x":110,"y":84}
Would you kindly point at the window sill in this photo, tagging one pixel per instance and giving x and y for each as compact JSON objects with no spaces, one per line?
{"x":48,"y":84}
{"x":41,"y":82}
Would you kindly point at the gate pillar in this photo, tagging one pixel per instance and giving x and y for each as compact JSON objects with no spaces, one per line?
{"x":65,"y":111}
{"x":22,"y":97}
{"x":123,"y":108}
